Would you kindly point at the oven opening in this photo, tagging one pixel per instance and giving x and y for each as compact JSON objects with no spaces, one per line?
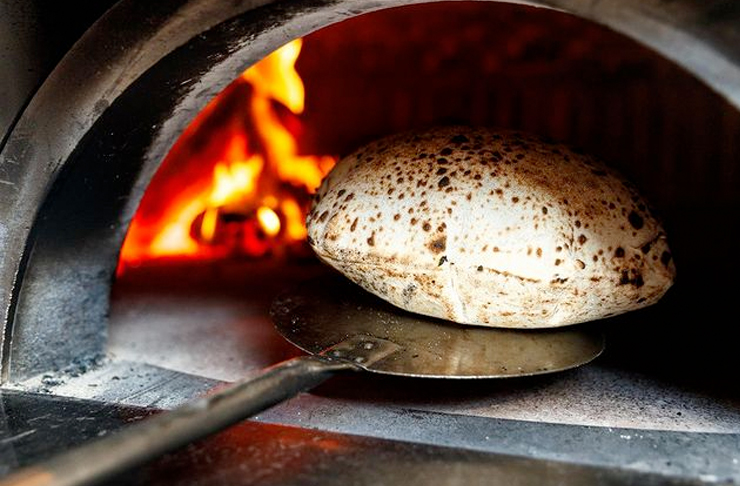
{"x":222,"y":222}
{"x":219,"y":232}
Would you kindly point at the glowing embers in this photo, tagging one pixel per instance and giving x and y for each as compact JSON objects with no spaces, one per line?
{"x":235,"y":183}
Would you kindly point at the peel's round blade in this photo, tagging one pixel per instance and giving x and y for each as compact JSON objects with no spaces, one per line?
{"x":327,"y":310}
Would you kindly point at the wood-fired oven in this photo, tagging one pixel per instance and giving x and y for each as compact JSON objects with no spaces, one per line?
{"x":130,"y":279}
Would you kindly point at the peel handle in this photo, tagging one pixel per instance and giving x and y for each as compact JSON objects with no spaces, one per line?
{"x":138,"y":443}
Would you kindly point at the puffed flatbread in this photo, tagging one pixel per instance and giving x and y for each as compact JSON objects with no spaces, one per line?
{"x":490,"y":228}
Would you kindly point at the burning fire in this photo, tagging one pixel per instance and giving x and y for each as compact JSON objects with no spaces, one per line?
{"x":253,"y":200}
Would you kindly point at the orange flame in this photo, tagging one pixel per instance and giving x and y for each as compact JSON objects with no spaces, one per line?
{"x":260,"y":179}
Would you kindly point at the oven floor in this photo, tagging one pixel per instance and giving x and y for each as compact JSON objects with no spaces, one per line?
{"x":213,"y":322}
{"x":645,"y":405}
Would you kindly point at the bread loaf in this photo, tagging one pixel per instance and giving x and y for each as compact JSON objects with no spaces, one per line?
{"x":490,"y":228}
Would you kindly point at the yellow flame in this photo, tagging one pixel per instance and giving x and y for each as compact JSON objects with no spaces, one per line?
{"x":175,"y":238}
{"x":295,"y":221}
{"x":269,"y":221}
{"x":235,"y":179}
{"x":239,"y":180}
{"x":209,"y":224}
{"x":275,"y":77}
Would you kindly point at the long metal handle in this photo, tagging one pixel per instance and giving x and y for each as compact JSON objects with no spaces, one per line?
{"x":138,"y":443}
